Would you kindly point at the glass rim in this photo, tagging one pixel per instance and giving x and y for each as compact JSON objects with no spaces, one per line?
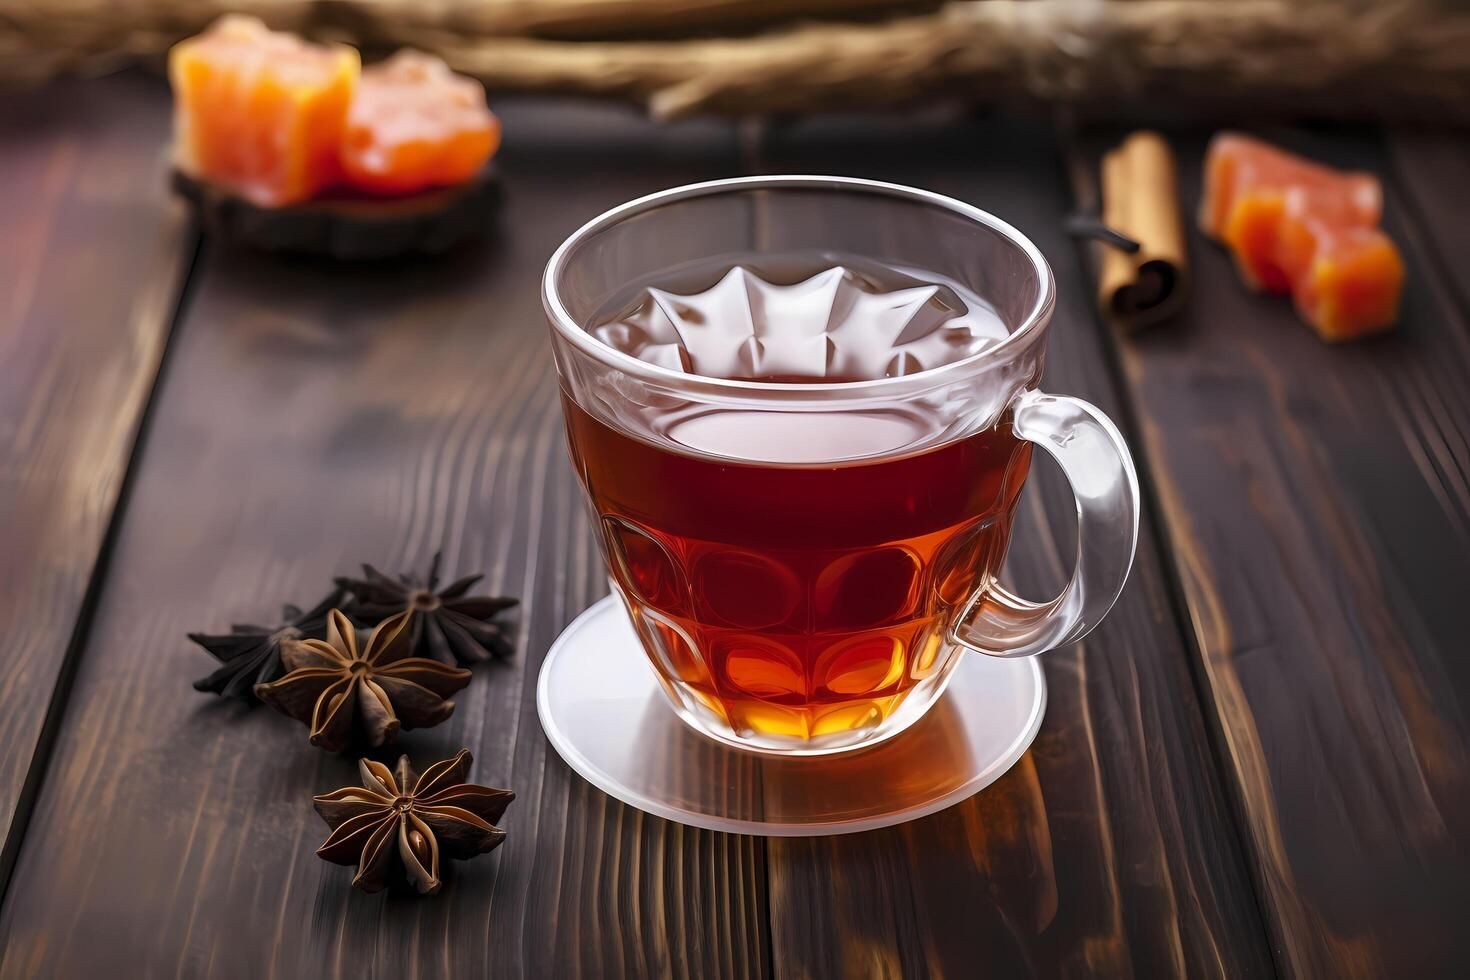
{"x":1032,"y":323}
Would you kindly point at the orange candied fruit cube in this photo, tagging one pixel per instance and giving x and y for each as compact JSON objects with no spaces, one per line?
{"x":415,"y":124}
{"x":1296,"y":226}
{"x":260,"y":112}
{"x":1236,"y":165}
{"x":1353,"y":286}
{"x":1251,"y":230}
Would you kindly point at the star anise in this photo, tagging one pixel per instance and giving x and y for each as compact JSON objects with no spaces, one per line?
{"x":400,"y":825}
{"x":446,"y":624}
{"x":347,"y":695}
{"x":251,"y":655}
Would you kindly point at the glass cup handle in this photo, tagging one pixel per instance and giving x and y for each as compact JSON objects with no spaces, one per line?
{"x":1096,"y":462}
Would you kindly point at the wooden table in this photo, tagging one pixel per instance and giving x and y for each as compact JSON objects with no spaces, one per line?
{"x":1258,"y":764}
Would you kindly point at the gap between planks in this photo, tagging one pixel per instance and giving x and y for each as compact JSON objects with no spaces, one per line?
{"x":1087,"y":199}
{"x":172,"y":271}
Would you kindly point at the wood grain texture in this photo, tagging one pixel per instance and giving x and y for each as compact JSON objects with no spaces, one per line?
{"x":1109,"y":849}
{"x":91,"y":264}
{"x":1318,"y":502}
{"x":313,"y":416}
{"x":1431,"y":171}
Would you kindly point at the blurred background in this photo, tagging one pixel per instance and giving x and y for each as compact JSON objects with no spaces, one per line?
{"x":1116,"y":59}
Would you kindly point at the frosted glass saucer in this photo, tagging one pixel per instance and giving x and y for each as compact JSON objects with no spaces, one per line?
{"x":603,"y":711}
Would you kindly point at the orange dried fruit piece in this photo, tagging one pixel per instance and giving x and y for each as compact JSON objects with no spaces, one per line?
{"x":1239,"y":166}
{"x":415,"y":124}
{"x":1353,"y":286}
{"x":260,"y":112}
{"x":1294,"y":225}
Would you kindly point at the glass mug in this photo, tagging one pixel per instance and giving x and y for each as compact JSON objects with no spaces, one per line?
{"x":805,"y":562}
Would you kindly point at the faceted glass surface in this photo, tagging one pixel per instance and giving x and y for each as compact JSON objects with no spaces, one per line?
{"x":853,"y":321}
{"x":608,"y":716}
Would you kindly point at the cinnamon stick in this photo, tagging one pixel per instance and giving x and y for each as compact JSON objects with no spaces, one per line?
{"x":1141,"y":202}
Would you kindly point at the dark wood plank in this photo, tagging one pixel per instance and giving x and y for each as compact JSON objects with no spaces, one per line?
{"x":313,"y":416}
{"x":91,"y":264}
{"x":1318,"y":503}
{"x":1109,"y":850}
{"x":1431,"y":170}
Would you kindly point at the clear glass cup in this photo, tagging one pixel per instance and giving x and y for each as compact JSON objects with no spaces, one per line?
{"x":809,"y":585}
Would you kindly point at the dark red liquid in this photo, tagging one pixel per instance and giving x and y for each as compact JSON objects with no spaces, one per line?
{"x":798,"y":600}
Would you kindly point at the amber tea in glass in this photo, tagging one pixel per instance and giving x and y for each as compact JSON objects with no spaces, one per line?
{"x":790,"y":599}
{"x":802,"y":411}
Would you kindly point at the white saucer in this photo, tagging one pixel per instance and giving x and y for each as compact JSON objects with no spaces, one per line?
{"x":603,"y":710}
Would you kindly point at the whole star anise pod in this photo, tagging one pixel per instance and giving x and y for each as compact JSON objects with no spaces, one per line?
{"x":401,"y":824}
{"x":446,"y":624}
{"x":251,"y":655}
{"x":346,"y":695}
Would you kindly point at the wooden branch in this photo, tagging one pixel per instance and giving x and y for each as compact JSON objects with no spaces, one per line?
{"x":43,"y":38}
{"x":581,"y":19}
{"x":1124,"y":60}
